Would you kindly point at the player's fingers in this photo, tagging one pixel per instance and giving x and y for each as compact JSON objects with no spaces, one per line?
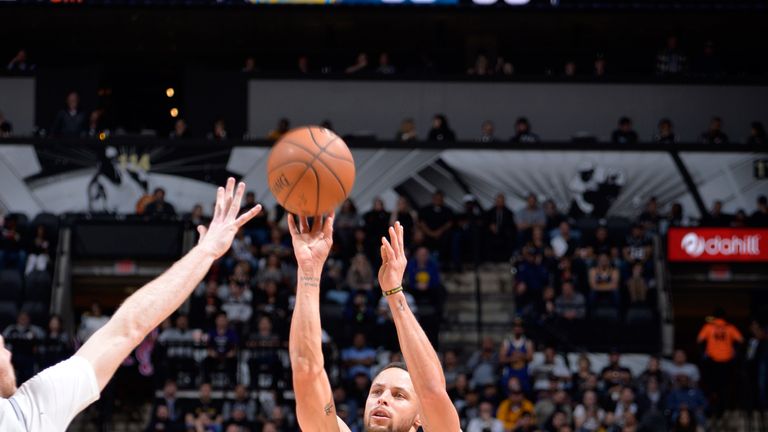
{"x":395,"y":241}
{"x":292,"y":224}
{"x":235,"y":208}
{"x":388,"y":248}
{"x":317,"y":224}
{"x":250,"y":214}
{"x":228,"y":193}
{"x":202,"y":230}
{"x":401,"y":237}
{"x":383,"y":251}
{"x":304,"y":222}
{"x":328,"y":225}
{"x":218,"y":207}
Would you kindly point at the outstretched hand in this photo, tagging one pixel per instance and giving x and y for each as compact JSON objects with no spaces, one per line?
{"x":393,"y":259}
{"x":217,"y":238}
{"x":311,"y":245}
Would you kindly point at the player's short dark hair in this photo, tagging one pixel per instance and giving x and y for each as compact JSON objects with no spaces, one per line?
{"x":393,"y":365}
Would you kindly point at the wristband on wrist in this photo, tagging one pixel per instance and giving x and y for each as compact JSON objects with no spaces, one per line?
{"x":393,"y":291}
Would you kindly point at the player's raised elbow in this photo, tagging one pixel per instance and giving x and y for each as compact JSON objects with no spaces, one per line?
{"x":304,"y":369}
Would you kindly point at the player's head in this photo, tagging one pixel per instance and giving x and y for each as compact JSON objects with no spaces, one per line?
{"x":392,"y":405}
{"x":7,"y":375}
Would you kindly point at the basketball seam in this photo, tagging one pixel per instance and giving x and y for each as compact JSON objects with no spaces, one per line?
{"x":316,"y":157}
{"x":317,"y":193}
{"x":322,"y":150}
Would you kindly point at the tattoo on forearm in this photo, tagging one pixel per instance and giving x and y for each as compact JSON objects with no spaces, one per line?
{"x":310,"y":280}
{"x":400,"y":305}
{"x":329,"y":408}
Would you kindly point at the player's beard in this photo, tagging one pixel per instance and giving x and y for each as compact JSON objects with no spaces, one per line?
{"x":391,"y":427}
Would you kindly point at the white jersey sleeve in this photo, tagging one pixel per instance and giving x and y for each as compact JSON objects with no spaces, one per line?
{"x":51,"y":399}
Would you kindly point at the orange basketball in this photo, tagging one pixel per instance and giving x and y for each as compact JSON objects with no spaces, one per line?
{"x":310,"y":171}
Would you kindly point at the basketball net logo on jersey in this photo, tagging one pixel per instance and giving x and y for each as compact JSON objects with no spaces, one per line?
{"x":696,"y":245}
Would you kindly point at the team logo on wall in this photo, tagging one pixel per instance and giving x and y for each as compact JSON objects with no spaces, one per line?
{"x":595,"y":189}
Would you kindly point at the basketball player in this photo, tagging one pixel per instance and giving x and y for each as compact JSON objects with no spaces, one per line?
{"x":399,"y":400}
{"x":50,"y":400}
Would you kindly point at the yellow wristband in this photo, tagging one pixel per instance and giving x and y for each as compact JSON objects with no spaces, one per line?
{"x":393,"y":291}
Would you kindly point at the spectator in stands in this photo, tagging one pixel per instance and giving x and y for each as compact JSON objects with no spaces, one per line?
{"x":360,"y":275}
{"x":436,"y":221}
{"x":385,"y":67}
{"x":179,"y":342}
{"x":614,"y":374}
{"x":241,"y":402}
{"x":650,"y":217}
{"x":583,"y":377}
{"x":283,"y":126}
{"x":625,"y":405}
{"x":624,"y":134}
{"x":440,"y":130}
{"x":483,"y":363}
{"x":481,"y":66}
{"x":569,"y":69}
{"x":169,"y":399}
{"x":600,"y":244}
{"x":96,"y":126}
{"x":707,"y":64}
{"x":715,"y":135}
{"x":6,"y":128}
{"x":670,"y":61}
{"x":69,"y":122}
{"x":204,"y":307}
{"x":716,"y":217}
{"x":219,"y":132}
{"x":161,"y":421}
{"x":423,"y":276}
{"x":637,"y":246}
{"x":360,"y":65}
{"x":358,"y":358}
{"x":549,"y":367}
{"x":511,"y":409}
{"x":57,"y":345}
{"x":90,"y":322}
{"x":407,"y":217}
{"x":270,"y":301}
{"x":570,"y":304}
{"x":302,"y":65}
{"x":685,"y":396}
{"x":523,"y":133}
{"x":12,"y":253}
{"x":554,"y":217}
{"x":637,"y":286}
{"x":515,"y":353}
{"x":204,"y":414}
{"x":222,"y":349}
{"x":760,"y":216}
{"x":502,"y":230}
{"x":22,"y":339}
{"x":179,"y":130}
{"x":665,"y":133}
{"x":376,"y":223}
{"x":20,"y":62}
{"x":564,"y":243}
{"x":739,"y":219}
{"x":159,"y":207}
{"x":719,"y":338}
{"x":487,"y":132}
{"x":347,"y":221}
{"x":276,"y":245}
{"x":452,"y":369}
{"x":249,"y":65}
{"x":685,"y":422}
{"x":257,"y":229}
{"x":681,"y":366}
{"x":757,"y":134}
{"x":485,"y":422}
{"x":588,"y":415}
{"x":237,"y":304}
{"x":530,"y":216}
{"x":407,"y":131}
{"x":599,"y":66}
{"x":38,"y":257}
{"x":604,"y":282}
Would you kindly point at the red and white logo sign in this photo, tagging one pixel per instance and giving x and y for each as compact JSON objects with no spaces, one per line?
{"x":717,"y":244}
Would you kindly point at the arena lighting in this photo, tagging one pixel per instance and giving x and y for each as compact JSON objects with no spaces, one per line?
{"x":174,"y":112}
{"x":170,"y":92}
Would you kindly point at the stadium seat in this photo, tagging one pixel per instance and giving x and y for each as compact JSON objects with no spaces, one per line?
{"x":50,"y":221}
{"x":10,"y":286}
{"x":606,"y":314}
{"x":8,"y":313}
{"x":639,"y":315}
{"x":38,"y":287}
{"x":22,"y":219}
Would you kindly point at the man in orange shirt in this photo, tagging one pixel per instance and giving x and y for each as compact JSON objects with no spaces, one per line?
{"x":719,"y":338}
{"x":512,"y":408}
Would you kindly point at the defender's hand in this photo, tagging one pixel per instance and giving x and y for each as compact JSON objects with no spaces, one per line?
{"x":217,"y":238}
{"x":393,"y":260}
{"x":311,"y":246}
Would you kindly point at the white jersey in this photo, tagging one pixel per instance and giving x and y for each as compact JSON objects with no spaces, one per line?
{"x":51,"y":399}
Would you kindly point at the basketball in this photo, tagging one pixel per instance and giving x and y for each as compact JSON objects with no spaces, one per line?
{"x":310,"y":171}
